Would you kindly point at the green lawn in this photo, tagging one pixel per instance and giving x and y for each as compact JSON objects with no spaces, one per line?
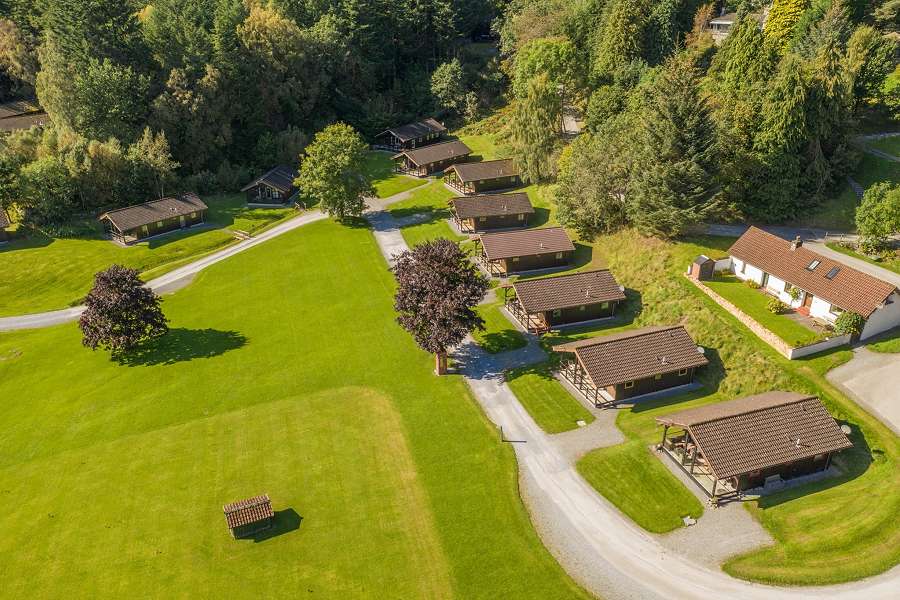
{"x":380,"y":168}
{"x":891,"y":145}
{"x":539,"y":392}
{"x":891,"y":265}
{"x":44,"y":273}
{"x":627,"y":473}
{"x":499,"y":335}
{"x":385,"y":478}
{"x":754,"y":302}
{"x":888,"y":343}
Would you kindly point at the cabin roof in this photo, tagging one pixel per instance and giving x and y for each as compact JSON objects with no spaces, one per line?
{"x":436,"y":152}
{"x":132,"y":217}
{"x":249,"y":511}
{"x":489,"y":169}
{"x":527,"y":242}
{"x":281,"y":178}
{"x":412,"y":131}
{"x":761,"y":431}
{"x":491,"y":205}
{"x":566,"y":291}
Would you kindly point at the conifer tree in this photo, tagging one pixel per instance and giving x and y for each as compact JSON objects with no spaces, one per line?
{"x":535,"y":128}
{"x":782,"y":21}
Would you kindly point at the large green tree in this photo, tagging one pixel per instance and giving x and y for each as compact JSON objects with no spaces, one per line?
{"x":878,"y":216}
{"x":536,"y":127}
{"x":332,"y":171}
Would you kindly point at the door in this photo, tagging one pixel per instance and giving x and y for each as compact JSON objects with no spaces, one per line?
{"x":807,"y":300}
{"x":181,"y":221}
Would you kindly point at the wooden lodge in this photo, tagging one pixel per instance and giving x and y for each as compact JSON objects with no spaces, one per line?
{"x":19,"y":115}
{"x":430,"y":159}
{"x":626,"y":365}
{"x":4,"y":223}
{"x":730,"y":447}
{"x":507,"y":252}
{"x":491,"y":211}
{"x":478,"y":177}
{"x":273,"y":187}
{"x":250,"y":516}
{"x":540,"y":304}
{"x":411,"y":135}
{"x":134,"y":223}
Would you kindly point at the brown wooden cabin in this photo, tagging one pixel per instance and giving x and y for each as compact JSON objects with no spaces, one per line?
{"x":411,"y":135}
{"x":626,"y":365}
{"x":733,"y":446}
{"x":478,"y":177}
{"x":250,"y":516}
{"x":19,"y":115}
{"x":507,"y":252}
{"x":134,"y":223}
{"x":273,"y":187}
{"x":431,"y":159}
{"x":491,"y":211}
{"x":4,"y":223}
{"x":540,"y":304}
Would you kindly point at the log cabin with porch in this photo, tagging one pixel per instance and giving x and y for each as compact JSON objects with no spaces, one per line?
{"x":730,"y":447}
{"x":541,"y":304}
{"x":248,"y":517}
{"x":505,"y":252}
{"x":409,"y":136}
{"x":135,"y":223}
{"x":491,"y":211}
{"x":4,"y":224}
{"x":430,"y":159}
{"x":275,"y":187}
{"x":486,"y":176}
{"x":624,"y":366}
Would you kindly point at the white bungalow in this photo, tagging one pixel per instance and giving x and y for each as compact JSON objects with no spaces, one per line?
{"x":813,"y":284}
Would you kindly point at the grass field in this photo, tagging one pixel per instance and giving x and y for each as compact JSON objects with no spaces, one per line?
{"x":832,"y":531}
{"x":380,"y":168}
{"x":538,"y":391}
{"x":44,"y":273}
{"x":888,"y":343}
{"x":385,"y":478}
{"x":499,"y":335}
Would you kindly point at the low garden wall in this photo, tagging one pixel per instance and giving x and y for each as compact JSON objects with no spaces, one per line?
{"x":767,"y":336}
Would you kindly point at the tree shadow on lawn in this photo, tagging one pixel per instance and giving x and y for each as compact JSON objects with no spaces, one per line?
{"x":284,"y":521}
{"x":541,"y":217}
{"x":402,"y":213}
{"x":180,"y":345}
{"x":502,"y":341}
{"x":27,"y":240}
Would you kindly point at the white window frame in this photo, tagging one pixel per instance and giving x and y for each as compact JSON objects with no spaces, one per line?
{"x":682,"y":372}
{"x":629,"y":384}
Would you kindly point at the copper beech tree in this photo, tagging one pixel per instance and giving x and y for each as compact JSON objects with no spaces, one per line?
{"x":438,"y":289}
{"x":120,"y":312}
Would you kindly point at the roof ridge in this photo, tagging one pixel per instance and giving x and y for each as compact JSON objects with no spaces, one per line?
{"x":619,"y":335}
{"x":563,"y":276}
{"x":180,"y":196}
{"x":784,"y":402}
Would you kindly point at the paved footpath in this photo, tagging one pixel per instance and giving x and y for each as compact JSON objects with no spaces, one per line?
{"x":169,"y":282}
{"x":599,"y":547}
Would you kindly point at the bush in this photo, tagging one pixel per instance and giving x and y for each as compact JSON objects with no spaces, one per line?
{"x":849,"y":322}
{"x":794,"y":294}
{"x":777,"y":307}
{"x":752,"y":284}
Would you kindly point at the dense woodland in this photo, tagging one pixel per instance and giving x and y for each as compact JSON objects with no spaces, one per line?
{"x":201,"y":94}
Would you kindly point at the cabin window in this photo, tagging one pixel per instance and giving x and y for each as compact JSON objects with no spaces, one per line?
{"x":835,"y":310}
{"x":512,"y":179}
{"x":521,"y":216}
{"x":193,"y":215}
{"x":658,"y":376}
{"x":629,"y":385}
{"x":515,"y":259}
{"x":144,"y":228}
{"x":159,"y":223}
{"x":682,"y":372}
{"x":582,"y":307}
{"x":605,"y":305}
{"x":787,"y":287}
{"x":557,"y":312}
{"x":559,"y":255}
{"x":276,"y":194}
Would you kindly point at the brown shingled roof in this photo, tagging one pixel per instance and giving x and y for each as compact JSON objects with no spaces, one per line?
{"x":528,"y":242}
{"x":246,"y":512}
{"x":132,"y":217}
{"x":635,"y":354}
{"x":281,"y":178}
{"x":411,"y":131}
{"x":488,"y":169}
{"x":761,"y":431}
{"x":436,"y":152}
{"x":491,"y":205}
{"x":565,"y":291}
{"x":849,"y":289}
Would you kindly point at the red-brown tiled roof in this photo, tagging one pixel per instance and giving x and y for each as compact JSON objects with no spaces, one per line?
{"x":635,"y":354}
{"x":849,"y":289}
{"x":132,"y":217}
{"x":427,"y":155}
{"x":528,"y":242}
{"x":492,"y":205}
{"x":251,"y":510}
{"x":566,"y":291}
{"x":761,"y":431}
{"x":488,"y":169}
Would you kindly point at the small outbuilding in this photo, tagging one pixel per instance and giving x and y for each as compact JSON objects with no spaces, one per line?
{"x":540,"y":304}
{"x":477,"y":177}
{"x":626,"y":365}
{"x":507,"y":252}
{"x":273,"y":187}
{"x":703,"y":268}
{"x":411,"y":135}
{"x":134,"y":223}
{"x":491,"y":211}
{"x":431,"y":159}
{"x":4,"y":223}
{"x":733,"y":446}
{"x":250,"y":516}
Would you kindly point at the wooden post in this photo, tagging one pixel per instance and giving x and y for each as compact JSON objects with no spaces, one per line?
{"x":440,"y":363}
{"x":662,"y":444}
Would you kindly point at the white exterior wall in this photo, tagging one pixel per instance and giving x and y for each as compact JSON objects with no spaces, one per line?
{"x":884,"y":318}
{"x":750,"y":272}
{"x":821,"y":309}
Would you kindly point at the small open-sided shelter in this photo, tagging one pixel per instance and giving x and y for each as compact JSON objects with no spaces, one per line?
{"x":741,"y":444}
{"x":411,"y":135}
{"x":540,"y":304}
{"x":250,"y":516}
{"x":478,"y":177}
{"x":824,"y":287}
{"x":491,"y":211}
{"x":629,"y":364}
{"x":505,"y":252}
{"x":4,"y":223}
{"x":273,"y":187}
{"x":431,"y":159}
{"x":134,"y":223}
{"x":21,"y":114}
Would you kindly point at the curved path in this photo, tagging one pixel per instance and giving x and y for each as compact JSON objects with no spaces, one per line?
{"x":169,"y":282}
{"x":598,"y":546}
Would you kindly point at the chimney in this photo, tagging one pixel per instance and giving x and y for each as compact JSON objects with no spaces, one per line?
{"x":796,"y":243}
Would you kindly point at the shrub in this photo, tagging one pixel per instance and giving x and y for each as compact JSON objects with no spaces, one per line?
{"x":849,"y":322}
{"x":777,"y":307}
{"x":752,"y":284}
{"x":794,"y":293}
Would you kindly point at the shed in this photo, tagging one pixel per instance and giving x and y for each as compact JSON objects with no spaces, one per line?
{"x":134,"y":223}
{"x":525,"y":250}
{"x":491,"y":211}
{"x":430,"y":159}
{"x":703,"y":268}
{"x":250,"y":516}
{"x":275,"y":186}
{"x":478,"y":177}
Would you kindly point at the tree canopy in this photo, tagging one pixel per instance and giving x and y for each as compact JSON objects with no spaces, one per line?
{"x":332,"y":171}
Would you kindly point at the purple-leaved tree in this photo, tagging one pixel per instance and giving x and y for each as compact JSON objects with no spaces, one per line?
{"x":438,"y":289}
{"x":120,"y":312}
